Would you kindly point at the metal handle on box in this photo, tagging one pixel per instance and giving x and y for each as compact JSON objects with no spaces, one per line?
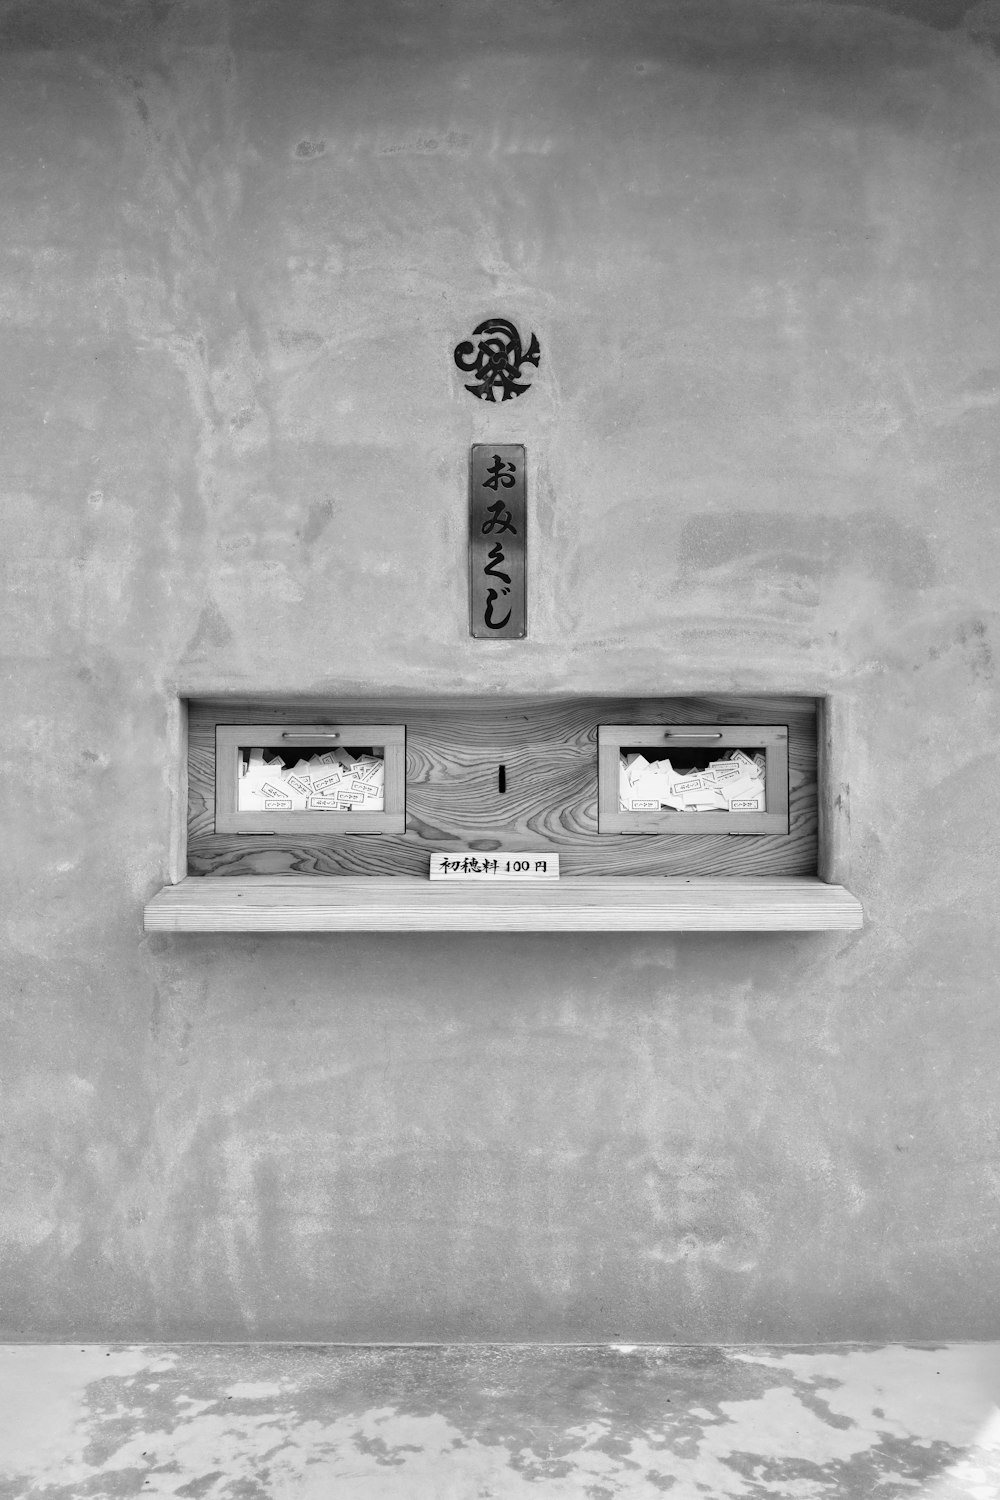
{"x":309,"y":739}
{"x":680,"y":734}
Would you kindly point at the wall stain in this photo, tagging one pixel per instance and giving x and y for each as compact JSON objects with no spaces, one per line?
{"x":211,"y":632}
{"x":317,"y":520}
{"x":807,"y":547}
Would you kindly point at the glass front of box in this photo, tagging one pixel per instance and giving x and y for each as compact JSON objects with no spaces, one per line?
{"x":682,"y":779}
{"x":310,"y":778}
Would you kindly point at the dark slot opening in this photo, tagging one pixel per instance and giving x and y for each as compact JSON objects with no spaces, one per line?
{"x":502,"y":779}
{"x":290,"y":755}
{"x":684,"y":758}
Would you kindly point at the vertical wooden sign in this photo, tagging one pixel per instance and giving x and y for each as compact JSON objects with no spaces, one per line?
{"x":497,"y":541}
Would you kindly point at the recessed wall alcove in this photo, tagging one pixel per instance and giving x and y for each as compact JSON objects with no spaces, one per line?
{"x":504,"y":773}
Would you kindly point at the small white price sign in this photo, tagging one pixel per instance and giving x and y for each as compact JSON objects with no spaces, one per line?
{"x":494,"y":867}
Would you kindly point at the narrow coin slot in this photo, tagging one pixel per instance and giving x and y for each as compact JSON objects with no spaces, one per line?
{"x":502,"y":779}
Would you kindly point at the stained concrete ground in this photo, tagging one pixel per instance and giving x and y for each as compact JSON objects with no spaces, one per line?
{"x":333,"y":1422}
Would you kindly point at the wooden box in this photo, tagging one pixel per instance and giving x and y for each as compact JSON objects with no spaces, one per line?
{"x":689,"y":750}
{"x":325,"y":809}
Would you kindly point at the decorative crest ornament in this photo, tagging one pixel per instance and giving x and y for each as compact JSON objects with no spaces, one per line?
{"x":497,"y":360}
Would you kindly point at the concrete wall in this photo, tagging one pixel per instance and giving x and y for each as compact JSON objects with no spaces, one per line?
{"x":758,"y":244}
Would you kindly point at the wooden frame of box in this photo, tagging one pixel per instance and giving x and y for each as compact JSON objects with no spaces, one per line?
{"x":231,"y":738}
{"x":771,"y":738}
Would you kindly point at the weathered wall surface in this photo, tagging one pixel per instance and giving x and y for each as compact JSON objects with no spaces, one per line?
{"x":758,"y":244}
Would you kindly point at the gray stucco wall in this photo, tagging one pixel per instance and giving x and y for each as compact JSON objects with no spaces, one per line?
{"x":759,"y":245}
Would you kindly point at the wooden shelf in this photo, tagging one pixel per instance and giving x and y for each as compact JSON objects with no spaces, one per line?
{"x":303,"y":903}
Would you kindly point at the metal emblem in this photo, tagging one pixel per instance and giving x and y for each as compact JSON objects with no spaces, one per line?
{"x":497,"y":541}
{"x":497,"y":359}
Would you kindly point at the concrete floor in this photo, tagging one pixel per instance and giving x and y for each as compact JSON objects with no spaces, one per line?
{"x":515,"y":1422}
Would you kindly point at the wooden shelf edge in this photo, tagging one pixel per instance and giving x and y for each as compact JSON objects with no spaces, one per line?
{"x":204,"y":903}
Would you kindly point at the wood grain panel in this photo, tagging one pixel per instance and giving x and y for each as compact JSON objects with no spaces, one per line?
{"x":549,"y":748}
